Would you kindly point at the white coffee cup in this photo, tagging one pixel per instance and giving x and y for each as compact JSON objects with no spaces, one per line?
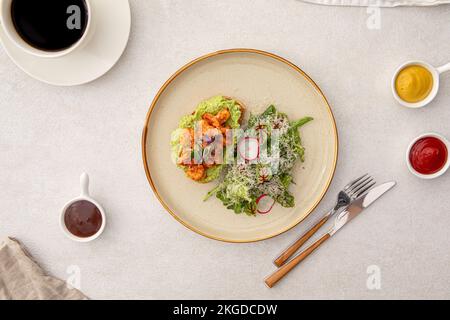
{"x":435,"y":73}
{"x":6,"y":22}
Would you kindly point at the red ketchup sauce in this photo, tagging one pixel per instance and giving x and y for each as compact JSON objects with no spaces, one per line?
{"x":428,"y":155}
{"x":83,"y":219}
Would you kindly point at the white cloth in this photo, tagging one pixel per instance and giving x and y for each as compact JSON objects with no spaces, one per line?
{"x":379,"y":3}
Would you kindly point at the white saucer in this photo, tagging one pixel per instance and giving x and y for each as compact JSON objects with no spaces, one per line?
{"x":110,"y":38}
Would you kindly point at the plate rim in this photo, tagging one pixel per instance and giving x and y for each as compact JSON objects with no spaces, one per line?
{"x":179,"y":72}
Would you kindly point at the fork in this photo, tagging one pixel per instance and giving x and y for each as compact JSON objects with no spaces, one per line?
{"x":350,"y":192}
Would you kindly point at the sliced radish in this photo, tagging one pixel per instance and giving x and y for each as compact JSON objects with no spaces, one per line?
{"x":264,"y":204}
{"x":249,"y":148}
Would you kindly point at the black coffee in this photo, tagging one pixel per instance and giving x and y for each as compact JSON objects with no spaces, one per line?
{"x":50,"y":25}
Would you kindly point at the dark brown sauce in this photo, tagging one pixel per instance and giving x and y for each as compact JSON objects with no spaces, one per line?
{"x":83,"y":219}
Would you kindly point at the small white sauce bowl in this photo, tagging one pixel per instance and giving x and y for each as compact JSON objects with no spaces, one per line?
{"x":435,"y":72}
{"x":84,"y":183}
{"x":433,"y":175}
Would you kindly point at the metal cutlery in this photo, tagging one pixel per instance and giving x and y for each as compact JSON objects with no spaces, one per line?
{"x":350,"y":192}
{"x":353,"y":210}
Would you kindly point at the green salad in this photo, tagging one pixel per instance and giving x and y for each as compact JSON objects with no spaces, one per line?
{"x":246,"y":184}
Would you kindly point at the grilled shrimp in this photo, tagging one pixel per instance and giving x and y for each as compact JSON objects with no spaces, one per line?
{"x":222,"y":116}
{"x":219,"y":119}
{"x":206,"y":126}
{"x":212,"y":120}
{"x":196,"y":172}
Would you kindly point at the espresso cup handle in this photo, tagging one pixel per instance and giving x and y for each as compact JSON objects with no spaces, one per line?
{"x":84,"y":184}
{"x":444,"y":68}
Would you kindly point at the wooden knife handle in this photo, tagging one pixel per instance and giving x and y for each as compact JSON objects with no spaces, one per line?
{"x":289,"y":252}
{"x":285,"y":269}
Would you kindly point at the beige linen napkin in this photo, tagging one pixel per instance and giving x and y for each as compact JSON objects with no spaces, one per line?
{"x":379,"y":3}
{"x":21,"y":278}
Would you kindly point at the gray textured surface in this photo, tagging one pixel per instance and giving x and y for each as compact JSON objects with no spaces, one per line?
{"x":49,"y":135}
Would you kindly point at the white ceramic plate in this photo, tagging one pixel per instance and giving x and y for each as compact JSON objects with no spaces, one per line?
{"x":257,"y":79}
{"x":112,"y":23}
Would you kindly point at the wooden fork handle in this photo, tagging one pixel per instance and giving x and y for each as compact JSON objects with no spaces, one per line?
{"x":289,"y":252}
{"x":285,"y":269}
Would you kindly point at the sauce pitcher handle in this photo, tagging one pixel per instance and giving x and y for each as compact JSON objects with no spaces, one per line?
{"x":84,"y":184}
{"x":444,"y":68}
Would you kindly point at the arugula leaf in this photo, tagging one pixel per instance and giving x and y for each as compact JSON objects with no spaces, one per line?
{"x":301,"y":122}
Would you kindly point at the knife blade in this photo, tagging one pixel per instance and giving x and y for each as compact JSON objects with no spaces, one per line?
{"x":359,"y":205}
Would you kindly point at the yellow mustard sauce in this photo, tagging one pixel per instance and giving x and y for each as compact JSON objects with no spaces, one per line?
{"x":414,"y":83}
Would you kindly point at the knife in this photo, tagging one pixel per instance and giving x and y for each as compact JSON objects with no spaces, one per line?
{"x":341,"y":220}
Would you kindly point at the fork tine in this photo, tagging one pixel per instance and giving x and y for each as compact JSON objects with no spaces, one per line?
{"x":351,"y":183}
{"x":355,"y":190}
{"x":365,"y":190}
{"x":361,"y":183}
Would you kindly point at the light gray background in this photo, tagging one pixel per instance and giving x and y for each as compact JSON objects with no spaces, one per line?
{"x":49,"y":135}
